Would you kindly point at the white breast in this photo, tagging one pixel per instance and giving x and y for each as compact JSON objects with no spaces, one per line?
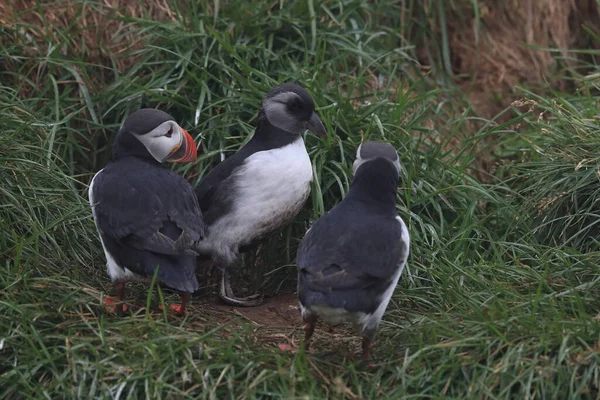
{"x":270,"y":189}
{"x":114,"y":270}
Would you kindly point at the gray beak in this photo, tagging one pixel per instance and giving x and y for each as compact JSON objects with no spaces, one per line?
{"x":315,"y":125}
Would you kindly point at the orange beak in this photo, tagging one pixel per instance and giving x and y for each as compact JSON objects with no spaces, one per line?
{"x":186,"y":152}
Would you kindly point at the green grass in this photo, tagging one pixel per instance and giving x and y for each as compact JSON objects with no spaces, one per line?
{"x":501,"y":295}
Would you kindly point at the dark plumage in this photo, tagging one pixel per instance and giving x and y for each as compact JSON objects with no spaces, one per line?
{"x":147,"y":216}
{"x":351,"y":259}
{"x":263,"y":186}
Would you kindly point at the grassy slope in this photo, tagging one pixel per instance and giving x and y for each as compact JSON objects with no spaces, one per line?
{"x":488,"y":306}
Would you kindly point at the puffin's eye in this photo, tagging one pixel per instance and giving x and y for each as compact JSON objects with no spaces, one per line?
{"x":294,"y":105}
{"x":170,"y":133}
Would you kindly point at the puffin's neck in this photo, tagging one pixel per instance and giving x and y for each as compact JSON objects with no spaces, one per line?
{"x":272,"y":136}
{"x":126,"y":145}
{"x":376,"y":184}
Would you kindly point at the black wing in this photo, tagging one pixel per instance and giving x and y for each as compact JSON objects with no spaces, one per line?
{"x":147,"y":208}
{"x":349,"y":256}
{"x":214,"y":192}
{"x":211,"y":189}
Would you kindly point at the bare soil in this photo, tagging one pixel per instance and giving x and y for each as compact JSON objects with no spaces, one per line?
{"x":280,"y":311}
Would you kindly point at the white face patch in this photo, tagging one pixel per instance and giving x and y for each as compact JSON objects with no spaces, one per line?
{"x":278,"y":115}
{"x":162,"y":140}
{"x":360,"y":161}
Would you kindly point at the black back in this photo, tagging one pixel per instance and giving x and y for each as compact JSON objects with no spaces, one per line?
{"x":148,"y":216}
{"x":351,"y":254}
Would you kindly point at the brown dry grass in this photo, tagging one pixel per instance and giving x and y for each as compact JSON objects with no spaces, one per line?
{"x":491,"y":54}
{"x":95,"y":29}
{"x":501,"y":53}
{"x":491,"y":50}
{"x":504,"y":48}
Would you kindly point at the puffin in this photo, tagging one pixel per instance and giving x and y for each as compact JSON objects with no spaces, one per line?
{"x":350,"y":260}
{"x":146,"y":215}
{"x":262,"y":187}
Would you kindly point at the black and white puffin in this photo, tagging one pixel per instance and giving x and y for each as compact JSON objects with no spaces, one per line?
{"x":147,"y":216}
{"x":351,"y":259}
{"x":262,"y":187}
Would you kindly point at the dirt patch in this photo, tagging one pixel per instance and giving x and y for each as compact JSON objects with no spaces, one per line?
{"x":277,"y":323}
{"x":280,"y":311}
{"x":274,"y":324}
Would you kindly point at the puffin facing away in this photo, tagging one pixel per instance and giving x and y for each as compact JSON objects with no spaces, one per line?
{"x":262,"y":187}
{"x":351,"y":259}
{"x":147,"y":216}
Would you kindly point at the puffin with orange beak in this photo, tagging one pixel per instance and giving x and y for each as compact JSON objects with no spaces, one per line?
{"x":148,"y":216}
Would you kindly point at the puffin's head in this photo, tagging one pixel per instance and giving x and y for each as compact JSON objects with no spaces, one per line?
{"x":290,"y":107}
{"x":153,"y":132}
{"x":370,"y":151}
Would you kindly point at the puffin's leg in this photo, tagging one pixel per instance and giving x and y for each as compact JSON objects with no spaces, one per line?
{"x":226,"y":294}
{"x":367,"y":344}
{"x":120,"y":290}
{"x":229,"y":291}
{"x":309,"y":327}
{"x":180,"y":310}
